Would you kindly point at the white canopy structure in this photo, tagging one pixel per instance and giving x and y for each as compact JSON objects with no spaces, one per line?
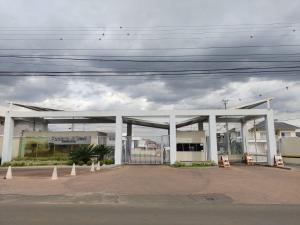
{"x":241,"y":115}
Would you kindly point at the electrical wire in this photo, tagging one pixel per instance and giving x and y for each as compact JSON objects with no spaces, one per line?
{"x":149,"y":49}
{"x":140,"y":74}
{"x":152,"y":61}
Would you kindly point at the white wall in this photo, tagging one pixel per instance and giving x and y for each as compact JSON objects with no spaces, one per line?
{"x":290,"y":146}
{"x":21,"y":126}
{"x":16,"y":144}
{"x":191,"y":137}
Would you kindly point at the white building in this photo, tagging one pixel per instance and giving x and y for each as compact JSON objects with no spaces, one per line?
{"x":257,"y":138}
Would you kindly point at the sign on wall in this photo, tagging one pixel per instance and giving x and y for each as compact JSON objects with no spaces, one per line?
{"x":71,"y":140}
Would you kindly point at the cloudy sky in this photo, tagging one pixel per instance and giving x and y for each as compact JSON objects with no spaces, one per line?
{"x":206,"y":39}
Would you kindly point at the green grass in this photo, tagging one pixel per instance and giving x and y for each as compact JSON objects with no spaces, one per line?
{"x":198,"y":164}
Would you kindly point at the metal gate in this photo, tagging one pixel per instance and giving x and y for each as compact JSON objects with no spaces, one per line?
{"x":146,"y":150}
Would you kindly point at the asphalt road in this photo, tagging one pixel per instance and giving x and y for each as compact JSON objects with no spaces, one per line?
{"x":73,"y":214}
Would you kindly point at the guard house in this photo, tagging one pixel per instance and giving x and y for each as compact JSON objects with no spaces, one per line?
{"x":168,"y":147}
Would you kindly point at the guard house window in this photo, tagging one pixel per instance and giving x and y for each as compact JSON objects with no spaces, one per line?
{"x":190,"y":147}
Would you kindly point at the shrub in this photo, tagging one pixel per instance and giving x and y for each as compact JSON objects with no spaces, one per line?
{"x":178,"y":164}
{"x":17,"y":163}
{"x":6,"y":164}
{"x":89,"y":162}
{"x":85,"y":153}
{"x":70,"y":162}
{"x":101,"y":150}
{"x":82,"y":153}
{"x":80,"y":163}
{"x":35,"y":163}
{"x":108,"y":162}
{"x":195,"y":164}
{"x":203,"y":164}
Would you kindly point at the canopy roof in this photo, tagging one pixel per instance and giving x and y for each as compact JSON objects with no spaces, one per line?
{"x":138,"y":121}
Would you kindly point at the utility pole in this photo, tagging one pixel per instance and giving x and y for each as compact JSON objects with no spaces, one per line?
{"x":225,"y":101}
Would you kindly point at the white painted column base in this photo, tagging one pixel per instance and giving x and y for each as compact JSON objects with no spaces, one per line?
{"x":244,"y":131}
{"x":7,"y":147}
{"x":212,"y":150}
{"x":118,"y":140}
{"x":271,"y":141}
{"x":173,"y":145}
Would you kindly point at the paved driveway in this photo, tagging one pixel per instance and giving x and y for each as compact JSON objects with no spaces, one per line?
{"x":241,"y":184}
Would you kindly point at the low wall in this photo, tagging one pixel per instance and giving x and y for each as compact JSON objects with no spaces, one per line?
{"x":16,"y":144}
{"x":290,"y":149}
{"x":190,"y":156}
{"x":289,"y":146}
{"x":291,"y":160}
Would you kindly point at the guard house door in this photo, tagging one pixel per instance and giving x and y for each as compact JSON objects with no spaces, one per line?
{"x":146,"y":150}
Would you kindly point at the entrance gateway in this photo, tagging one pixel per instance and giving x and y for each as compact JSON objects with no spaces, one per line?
{"x":190,"y":145}
{"x":154,"y":153}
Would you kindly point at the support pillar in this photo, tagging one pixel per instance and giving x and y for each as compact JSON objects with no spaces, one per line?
{"x":118,"y":140}
{"x":271,"y":141}
{"x":213,"y":149}
{"x":173,"y":145}
{"x":7,"y":147}
{"x":200,"y":126}
{"x":244,"y":134}
{"x":129,"y":141}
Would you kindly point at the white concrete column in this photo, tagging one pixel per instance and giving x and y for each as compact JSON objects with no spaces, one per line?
{"x":118,"y":140}
{"x":200,"y":126}
{"x":213,"y":150}
{"x":173,"y":145}
{"x":271,"y":141}
{"x":244,"y":134}
{"x":7,"y":147}
{"x":129,"y":141}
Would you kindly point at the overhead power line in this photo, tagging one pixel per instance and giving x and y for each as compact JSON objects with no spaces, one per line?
{"x":174,"y":71}
{"x":141,"y":74}
{"x":155,"y":56}
{"x":149,"y":49}
{"x":269,"y":69}
{"x":120,"y":27}
{"x":151,"y":61}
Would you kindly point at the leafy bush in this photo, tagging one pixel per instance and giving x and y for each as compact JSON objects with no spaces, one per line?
{"x":34,"y":163}
{"x":86,"y":152}
{"x":203,"y":164}
{"x":196,"y":164}
{"x":178,"y":164}
{"x":101,"y":150}
{"x":80,"y":163}
{"x":82,"y":153}
{"x":6,"y":164}
{"x":108,"y":162}
{"x":55,"y":158}
{"x":70,"y":162}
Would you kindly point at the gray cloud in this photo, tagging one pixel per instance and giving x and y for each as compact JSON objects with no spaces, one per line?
{"x":188,"y":93}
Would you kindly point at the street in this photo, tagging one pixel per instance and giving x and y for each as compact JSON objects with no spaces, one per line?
{"x":152,"y":195}
{"x":72,"y":214}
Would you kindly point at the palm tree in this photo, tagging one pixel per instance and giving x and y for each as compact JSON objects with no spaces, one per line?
{"x":82,"y":153}
{"x":101,"y":151}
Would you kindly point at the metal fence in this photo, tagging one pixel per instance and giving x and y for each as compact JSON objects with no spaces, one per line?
{"x":146,"y":150}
